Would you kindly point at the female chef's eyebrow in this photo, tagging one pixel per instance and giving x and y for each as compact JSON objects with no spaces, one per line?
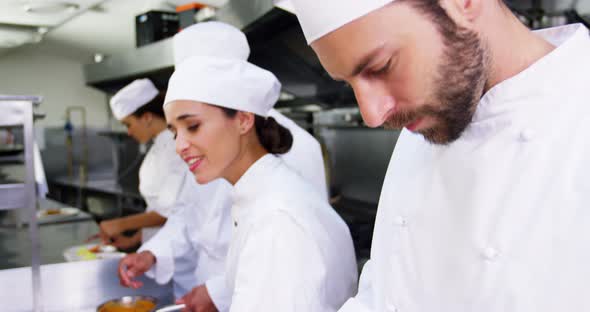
{"x":185,"y":116}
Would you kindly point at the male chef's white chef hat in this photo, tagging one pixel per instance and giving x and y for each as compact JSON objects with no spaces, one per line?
{"x":132,"y":97}
{"x":210,"y":39}
{"x":220,"y":77}
{"x":318,"y":18}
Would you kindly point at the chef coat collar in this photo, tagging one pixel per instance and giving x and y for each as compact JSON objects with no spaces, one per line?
{"x":163,"y":137}
{"x":252,"y":182}
{"x":543,"y":76}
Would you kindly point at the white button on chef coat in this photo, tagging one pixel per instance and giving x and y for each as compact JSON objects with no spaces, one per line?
{"x":291,"y":250}
{"x":530,"y":198}
{"x":527,"y":135}
{"x":197,"y":238}
{"x":490,"y":253}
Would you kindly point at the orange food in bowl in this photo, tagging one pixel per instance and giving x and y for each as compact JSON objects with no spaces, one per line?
{"x":137,"y":306}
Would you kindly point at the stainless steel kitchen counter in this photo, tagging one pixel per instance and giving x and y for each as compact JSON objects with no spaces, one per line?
{"x":15,"y":243}
{"x":74,"y":286}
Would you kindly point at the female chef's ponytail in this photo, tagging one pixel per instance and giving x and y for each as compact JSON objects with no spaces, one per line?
{"x":275,"y":138}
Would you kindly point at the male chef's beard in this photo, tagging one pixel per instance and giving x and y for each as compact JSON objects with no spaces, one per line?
{"x":458,"y":86}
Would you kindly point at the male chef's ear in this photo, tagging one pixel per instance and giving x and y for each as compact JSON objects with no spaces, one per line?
{"x":245,"y":121}
{"x":464,"y":12}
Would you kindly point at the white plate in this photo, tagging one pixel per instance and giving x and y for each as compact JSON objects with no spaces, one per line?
{"x":82,"y":253}
{"x":63,"y":212}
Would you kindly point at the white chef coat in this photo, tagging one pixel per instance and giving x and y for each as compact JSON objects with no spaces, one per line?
{"x":306,"y":152}
{"x":290,"y":250}
{"x":498,"y":220}
{"x":196,"y":240}
{"x":161,"y":178}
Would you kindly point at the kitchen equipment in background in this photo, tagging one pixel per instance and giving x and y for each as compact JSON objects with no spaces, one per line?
{"x":18,"y":113}
{"x":186,"y":14}
{"x":153,"y":26}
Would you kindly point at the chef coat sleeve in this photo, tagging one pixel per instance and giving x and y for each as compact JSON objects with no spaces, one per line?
{"x":174,"y":187}
{"x":171,"y":241}
{"x":279,"y":268}
{"x":219,"y":292}
{"x":363,"y":302}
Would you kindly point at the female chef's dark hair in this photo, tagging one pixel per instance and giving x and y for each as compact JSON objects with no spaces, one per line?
{"x":155,"y":106}
{"x":275,"y":138}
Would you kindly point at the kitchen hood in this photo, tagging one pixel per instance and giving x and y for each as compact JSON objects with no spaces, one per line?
{"x":277,"y":44}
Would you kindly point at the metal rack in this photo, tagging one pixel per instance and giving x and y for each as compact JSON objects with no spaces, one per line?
{"x":17,"y":111}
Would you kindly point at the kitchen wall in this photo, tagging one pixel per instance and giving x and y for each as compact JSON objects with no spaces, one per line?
{"x":43,"y":69}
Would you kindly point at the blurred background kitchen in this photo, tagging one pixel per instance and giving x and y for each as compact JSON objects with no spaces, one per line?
{"x":72,"y":56}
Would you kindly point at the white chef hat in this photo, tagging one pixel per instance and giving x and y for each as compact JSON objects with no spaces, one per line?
{"x":230,"y":83}
{"x":210,"y":39}
{"x":318,"y":18}
{"x":212,"y":67}
{"x":132,"y":97}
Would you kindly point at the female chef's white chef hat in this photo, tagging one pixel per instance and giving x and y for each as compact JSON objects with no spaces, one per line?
{"x":318,"y":18}
{"x":218,"y":77}
{"x":210,"y":39}
{"x":132,"y":97}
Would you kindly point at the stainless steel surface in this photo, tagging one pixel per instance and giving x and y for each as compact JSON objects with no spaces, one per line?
{"x":177,"y":307}
{"x":10,"y":219}
{"x":18,"y":112}
{"x":73,"y":287}
{"x":116,"y":71}
{"x":12,"y":196}
{"x":36,"y":100}
{"x":54,"y":239}
{"x":241,"y":13}
{"x":357,"y":156}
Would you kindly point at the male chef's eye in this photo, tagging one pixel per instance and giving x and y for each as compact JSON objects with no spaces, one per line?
{"x":383,"y":69}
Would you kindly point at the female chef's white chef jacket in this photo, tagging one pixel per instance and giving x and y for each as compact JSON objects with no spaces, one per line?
{"x":290,"y":251}
{"x":192,"y":246}
{"x":500,"y":219}
{"x":162,"y":176}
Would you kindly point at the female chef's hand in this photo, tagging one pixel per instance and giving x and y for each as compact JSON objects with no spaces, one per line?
{"x":197,"y":300}
{"x":134,"y":265}
{"x":123,"y":242}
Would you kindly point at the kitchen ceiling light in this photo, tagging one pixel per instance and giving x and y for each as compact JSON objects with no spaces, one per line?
{"x":50,"y":7}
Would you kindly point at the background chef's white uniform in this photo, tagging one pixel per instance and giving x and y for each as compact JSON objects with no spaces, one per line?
{"x":290,"y":250}
{"x":201,"y":233}
{"x":498,"y":220}
{"x":162,"y":176}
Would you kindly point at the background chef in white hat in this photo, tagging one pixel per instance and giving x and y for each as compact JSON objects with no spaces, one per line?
{"x":162,"y":178}
{"x":485,"y":202}
{"x":203,"y":231}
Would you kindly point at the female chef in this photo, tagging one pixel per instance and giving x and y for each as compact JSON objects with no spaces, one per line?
{"x":289,"y":250}
{"x":201,"y":234}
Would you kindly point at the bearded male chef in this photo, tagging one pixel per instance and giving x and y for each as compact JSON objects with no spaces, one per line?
{"x":192,"y":246}
{"x":485,"y":202}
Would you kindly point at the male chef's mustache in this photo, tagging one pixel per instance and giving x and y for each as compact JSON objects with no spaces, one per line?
{"x":402,"y":118}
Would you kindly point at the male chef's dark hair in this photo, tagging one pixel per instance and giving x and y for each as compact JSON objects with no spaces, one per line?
{"x":275,"y":138}
{"x":155,"y":106}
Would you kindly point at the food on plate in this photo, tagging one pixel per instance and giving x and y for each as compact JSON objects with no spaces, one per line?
{"x":55,"y":211}
{"x":94,"y":249}
{"x":85,"y":254}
